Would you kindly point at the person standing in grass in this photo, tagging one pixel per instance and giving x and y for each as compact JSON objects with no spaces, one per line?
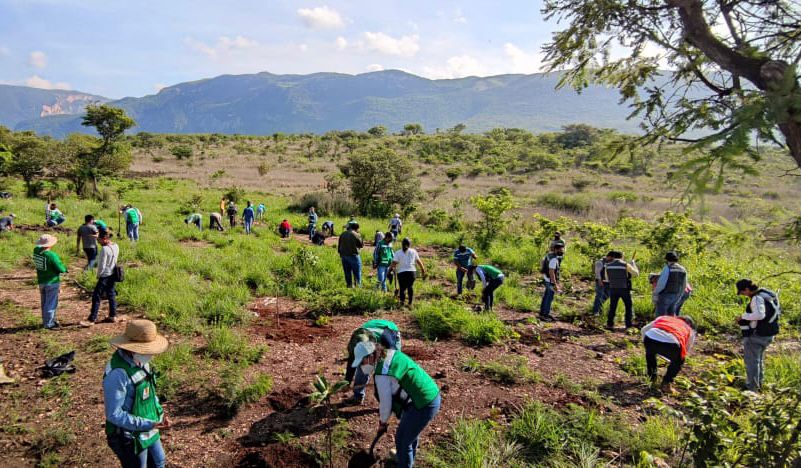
{"x":463,"y":259}
{"x":134,"y":415}
{"x":402,"y":388}
{"x":601,"y":284}
{"x":618,"y":276}
{"x":405,"y":264}
{"x":196,"y":219}
{"x":133,"y":218}
{"x":48,"y":275}
{"x":54,"y":216}
{"x":312,"y":222}
{"x":215,"y":221}
{"x":348,"y":247}
{"x":248,"y":216}
{"x":396,"y":225}
{"x":260,"y":211}
{"x":232,"y":211}
{"x":759,"y":325}
{"x":669,"y":337}
{"x":670,"y":286}
{"x":380,"y":331}
{"x":491,"y":279}
{"x":382,"y":260}
{"x":557,"y":241}
{"x":222,"y":206}
{"x":551,"y":268}
{"x":87,"y":234}
{"x":106,"y":263}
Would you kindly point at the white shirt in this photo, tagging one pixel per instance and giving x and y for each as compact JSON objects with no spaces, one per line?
{"x":107,"y":260}
{"x":657,"y":334}
{"x":757,"y":310}
{"x":406,"y":260}
{"x":387,"y":386}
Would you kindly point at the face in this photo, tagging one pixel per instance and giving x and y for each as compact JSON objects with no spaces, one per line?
{"x":462,"y":248}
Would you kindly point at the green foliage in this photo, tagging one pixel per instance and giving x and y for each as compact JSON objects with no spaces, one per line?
{"x":227,"y":344}
{"x":235,"y":391}
{"x":174,"y":370}
{"x":476,"y":444}
{"x":510,"y":370}
{"x":492,"y":207}
{"x":676,"y":231}
{"x":326,"y":204}
{"x":181,"y":152}
{"x":446,"y":319}
{"x":381,"y":181}
{"x":577,"y":136}
{"x":570,"y":203}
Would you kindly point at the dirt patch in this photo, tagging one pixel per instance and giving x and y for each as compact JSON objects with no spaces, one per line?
{"x":277,"y":307}
{"x":194,"y":243}
{"x":287,"y":399}
{"x":292,"y":330}
{"x":276,"y":455}
{"x":419,"y":353}
{"x":41,"y":228}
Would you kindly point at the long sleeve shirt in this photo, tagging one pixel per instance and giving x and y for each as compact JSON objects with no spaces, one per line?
{"x":118,"y":397}
{"x":349,"y":243}
{"x":756,"y":310}
{"x":599,"y":270}
{"x":662,"y":281}
{"x":107,"y":260}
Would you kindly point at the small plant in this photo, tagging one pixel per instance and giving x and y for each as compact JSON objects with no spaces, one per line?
{"x":321,"y":396}
{"x":511,"y":370}
{"x":234,"y":391}
{"x":97,"y":344}
{"x":322,"y":321}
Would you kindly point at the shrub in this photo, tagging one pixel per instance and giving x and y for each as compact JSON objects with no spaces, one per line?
{"x":476,"y":444}
{"x":229,"y":345}
{"x":510,"y":370}
{"x":174,"y":369}
{"x":572,"y":203}
{"x":622,"y":196}
{"x":235,"y":391}
{"x":580,"y":184}
{"x":325,"y":204}
{"x":447,"y":319}
{"x":181,"y":152}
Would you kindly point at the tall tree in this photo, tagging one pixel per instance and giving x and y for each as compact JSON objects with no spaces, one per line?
{"x":381,"y":181}
{"x":29,"y":159}
{"x":731,"y":68}
{"x":112,"y":156}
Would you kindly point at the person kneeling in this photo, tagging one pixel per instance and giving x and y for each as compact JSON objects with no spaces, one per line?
{"x":672,"y":338}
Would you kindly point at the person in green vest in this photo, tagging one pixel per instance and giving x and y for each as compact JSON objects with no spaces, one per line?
{"x":134,"y":415}
{"x":403,"y":388}
{"x":133,"y":218}
{"x":48,"y":275}
{"x":382,"y":260}
{"x":491,"y":279}
{"x":376,"y":331}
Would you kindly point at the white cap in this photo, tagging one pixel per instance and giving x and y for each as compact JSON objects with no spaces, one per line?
{"x":362,"y":350}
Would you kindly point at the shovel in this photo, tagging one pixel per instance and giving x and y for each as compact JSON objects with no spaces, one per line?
{"x":364,"y":459}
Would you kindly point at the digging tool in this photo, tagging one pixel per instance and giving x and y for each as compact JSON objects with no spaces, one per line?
{"x":366,"y":459}
{"x":381,"y":432}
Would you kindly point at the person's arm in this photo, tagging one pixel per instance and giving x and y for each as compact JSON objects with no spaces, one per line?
{"x":757,"y":309}
{"x":691,"y":341}
{"x":599,"y":268}
{"x":359,"y":241}
{"x":78,"y":241}
{"x":419,"y":263}
{"x":60,"y":266}
{"x":662,"y":281}
{"x":480,"y":273}
{"x":384,"y":384}
{"x":101,"y":259}
{"x":632,"y":268}
{"x":552,"y":265}
{"x":115,"y":388}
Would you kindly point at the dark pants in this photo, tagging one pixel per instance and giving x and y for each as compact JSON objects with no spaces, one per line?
{"x":406,"y":283}
{"x":123,"y":448}
{"x":615,"y":294}
{"x":214,"y":223}
{"x":283,"y":232}
{"x":488,"y":294}
{"x":460,"y":274}
{"x":547,"y":300}
{"x":104,"y":286}
{"x":232,"y":220}
{"x":91,"y":257}
{"x":670,"y":351}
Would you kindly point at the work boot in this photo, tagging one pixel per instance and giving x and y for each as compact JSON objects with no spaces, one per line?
{"x":87,"y":323}
{"x":547,"y":318}
{"x":667,"y":388}
{"x":355,"y":400}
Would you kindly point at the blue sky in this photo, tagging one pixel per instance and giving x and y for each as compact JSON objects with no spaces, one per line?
{"x":122,"y":48}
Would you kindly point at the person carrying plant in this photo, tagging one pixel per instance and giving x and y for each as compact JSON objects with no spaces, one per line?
{"x":248,"y":216}
{"x":133,"y":218}
{"x":348,"y":247}
{"x":491,"y":279}
{"x":550,"y":267}
{"x":403,"y":388}
{"x":405,"y":263}
{"x":618,"y":275}
{"x":759,"y":325}
{"x":672,"y":338}
{"x":48,"y":275}
{"x":106,"y":279}
{"x":232,"y":211}
{"x":134,"y":415}
{"x":396,"y":225}
{"x":54,"y":216}
{"x":463,"y":260}
{"x":284,"y":229}
{"x":87,"y":234}
{"x":601,"y":284}
{"x":312,"y":222}
{"x":196,"y":219}
{"x":382,"y":260}
{"x":215,"y":221}
{"x":380,"y":331}
{"x":670,"y":285}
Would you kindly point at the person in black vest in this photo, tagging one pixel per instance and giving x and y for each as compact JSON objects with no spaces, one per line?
{"x":550,"y":268}
{"x":618,"y":275}
{"x":601,"y":284}
{"x":670,"y":286}
{"x":759,"y":324}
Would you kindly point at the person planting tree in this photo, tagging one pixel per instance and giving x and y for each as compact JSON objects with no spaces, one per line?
{"x":491,"y":279}
{"x":195,"y":219}
{"x":380,"y":331}
{"x":133,"y":218}
{"x":672,"y":338}
{"x":463,"y":260}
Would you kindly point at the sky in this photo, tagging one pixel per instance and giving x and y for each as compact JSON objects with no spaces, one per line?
{"x":118,"y":48}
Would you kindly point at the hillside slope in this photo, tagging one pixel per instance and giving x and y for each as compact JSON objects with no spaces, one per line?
{"x":21,"y":103}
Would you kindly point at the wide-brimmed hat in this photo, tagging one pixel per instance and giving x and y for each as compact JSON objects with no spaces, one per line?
{"x":141,"y":337}
{"x":46,"y":240}
{"x":361,"y":351}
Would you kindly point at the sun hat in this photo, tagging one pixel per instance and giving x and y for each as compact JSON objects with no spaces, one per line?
{"x":46,"y":241}
{"x":141,"y":337}
{"x":361,"y":351}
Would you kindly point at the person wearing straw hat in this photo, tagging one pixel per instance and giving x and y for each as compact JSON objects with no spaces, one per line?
{"x":48,"y":275}
{"x":134,"y":415}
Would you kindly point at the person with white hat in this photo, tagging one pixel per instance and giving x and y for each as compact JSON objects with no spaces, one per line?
{"x":134,"y":415}
{"x":48,"y":275}
{"x":395,"y":225}
{"x":403,"y":388}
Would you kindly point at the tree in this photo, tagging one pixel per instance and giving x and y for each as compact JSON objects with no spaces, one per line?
{"x":112,"y":156}
{"x":731,"y":68}
{"x":74,"y":157}
{"x":380,"y":181}
{"x":378,"y":131}
{"x":493,"y":207}
{"x":30,"y":157}
{"x":181,"y":152}
{"x":577,"y":136}
{"x":413,"y":129}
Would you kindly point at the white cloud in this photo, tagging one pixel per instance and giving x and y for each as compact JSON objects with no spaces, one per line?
{"x":406,"y":46}
{"x":374,"y":67}
{"x":37,"y":59}
{"x":341,"y":43}
{"x":522,"y":61}
{"x":37,"y":82}
{"x":223,"y":46}
{"x":457,"y":66}
{"x":321,"y":18}
{"x":158,"y":87}
{"x":459,"y":18}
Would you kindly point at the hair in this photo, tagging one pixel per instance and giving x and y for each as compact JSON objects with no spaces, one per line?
{"x":746,"y":283}
{"x":406,"y":243}
{"x":557,"y":235}
{"x":88,"y":218}
{"x":354,"y":226}
{"x":388,"y":236}
{"x":688,"y":320}
{"x":103,"y":234}
{"x":672,"y":256}
{"x":616,"y":254}
{"x":249,"y":203}
{"x":52,"y":205}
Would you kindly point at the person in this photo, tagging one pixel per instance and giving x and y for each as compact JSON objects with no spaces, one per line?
{"x":557,"y":241}
{"x":395,"y":225}
{"x":87,"y":234}
{"x":106,"y":264}
{"x":669,"y":337}
{"x":284,"y":229}
{"x":404,"y":264}
{"x":196,"y":219}
{"x":463,"y":260}
{"x":134,"y":415}
{"x":759,"y":325}
{"x":54,"y":216}
{"x":101,"y":226}
{"x":318,"y":238}
{"x":491,"y":279}
{"x":48,"y":275}
{"x":248,"y":216}
{"x":688,"y":291}
{"x":232,"y":211}
{"x":215,"y":221}
{"x":551,"y":268}
{"x":260,"y":211}
{"x":222,"y":206}
{"x":7,"y":222}
{"x":670,"y":286}
{"x":403,"y":388}
{"x":601,"y":284}
{"x":618,"y":275}
{"x":348,"y":247}
{"x":382,"y":260}
{"x":312,"y":222}
{"x":133,"y":218}
{"x":378,"y":237}
{"x":328,"y":228}
{"x":376,"y":331}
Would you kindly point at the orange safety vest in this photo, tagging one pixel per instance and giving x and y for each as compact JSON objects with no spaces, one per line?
{"x":676,"y":327}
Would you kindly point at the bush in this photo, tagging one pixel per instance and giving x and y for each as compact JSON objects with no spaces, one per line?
{"x":509,"y":370}
{"x":234,"y":391}
{"x":572,"y":203}
{"x":325,"y":204}
{"x":622,"y":196}
{"x":226,"y":344}
{"x":181,"y":152}
{"x":447,"y":319}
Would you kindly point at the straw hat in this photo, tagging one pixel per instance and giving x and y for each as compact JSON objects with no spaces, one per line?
{"x":46,"y":241}
{"x":141,"y":337}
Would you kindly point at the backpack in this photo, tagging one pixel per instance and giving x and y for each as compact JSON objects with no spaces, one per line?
{"x":544,"y":264}
{"x":385,"y":254}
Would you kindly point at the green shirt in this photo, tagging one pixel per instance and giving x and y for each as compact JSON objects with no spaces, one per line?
{"x":412,"y":379}
{"x":490,"y":271}
{"x":48,"y":266}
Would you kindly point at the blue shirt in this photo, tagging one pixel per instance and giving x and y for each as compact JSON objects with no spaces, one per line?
{"x":465,"y":258}
{"x":248,"y":214}
{"x":261,"y":208}
{"x":118,"y":397}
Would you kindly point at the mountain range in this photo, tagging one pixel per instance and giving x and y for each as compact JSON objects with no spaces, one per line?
{"x":266,"y":103}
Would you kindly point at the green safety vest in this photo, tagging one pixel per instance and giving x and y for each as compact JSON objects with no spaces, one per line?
{"x":132,"y":216}
{"x":145,"y":403}
{"x":385,"y":254}
{"x":490,"y":271}
{"x":418,"y":385}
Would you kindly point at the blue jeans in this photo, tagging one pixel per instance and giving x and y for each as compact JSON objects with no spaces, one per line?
{"x":412,"y":423}
{"x":382,"y":277}
{"x":248,"y":226}
{"x":666,"y":303}
{"x":123,"y":448}
{"x":133,"y":231}
{"x":488,"y":294}
{"x":360,"y":380}
{"x":684,"y":296}
{"x":105,"y":286}
{"x":55,"y":222}
{"x":460,"y":274}
{"x":312,"y":230}
{"x":601,"y":295}
{"x":754,"y":355}
{"x":547,"y":299}
{"x":49,"y":296}
{"x":352,"y":266}
{"x":91,"y":257}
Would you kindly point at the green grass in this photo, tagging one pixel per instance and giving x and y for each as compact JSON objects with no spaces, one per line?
{"x":445,"y":319}
{"x":229,"y":345}
{"x":510,"y":370}
{"x":476,"y":444}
